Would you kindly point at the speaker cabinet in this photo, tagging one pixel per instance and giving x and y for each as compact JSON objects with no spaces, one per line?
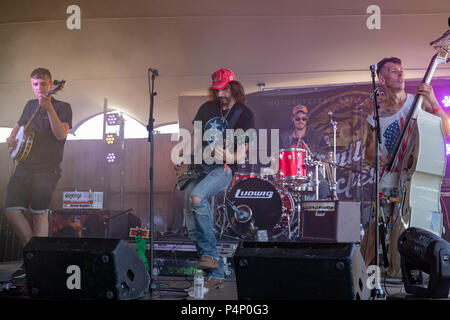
{"x":294,"y":271}
{"x":77,"y":268}
{"x":331,"y":221}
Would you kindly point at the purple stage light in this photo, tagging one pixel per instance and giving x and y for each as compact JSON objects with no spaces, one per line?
{"x":113,"y":119}
{"x":111,"y":157}
{"x":446,"y":101}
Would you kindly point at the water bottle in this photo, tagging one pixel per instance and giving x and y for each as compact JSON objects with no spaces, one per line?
{"x":198,"y":285}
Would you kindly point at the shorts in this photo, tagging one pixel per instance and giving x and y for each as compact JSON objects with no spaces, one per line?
{"x":31,"y":189}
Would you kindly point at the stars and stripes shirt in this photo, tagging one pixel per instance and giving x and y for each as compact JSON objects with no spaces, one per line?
{"x":391,"y":128}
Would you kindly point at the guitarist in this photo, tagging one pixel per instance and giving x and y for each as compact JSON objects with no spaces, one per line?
{"x":225,"y":110}
{"x":393,"y":111}
{"x":34,"y":179}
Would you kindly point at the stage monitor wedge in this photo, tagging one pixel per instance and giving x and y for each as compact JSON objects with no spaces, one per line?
{"x":89,"y":268}
{"x":300,"y":271}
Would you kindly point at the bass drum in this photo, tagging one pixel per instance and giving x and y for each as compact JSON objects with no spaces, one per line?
{"x":259,"y":205}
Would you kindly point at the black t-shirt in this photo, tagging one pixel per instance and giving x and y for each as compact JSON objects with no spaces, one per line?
{"x":210,"y":116}
{"x":314,"y":140}
{"x":47,"y":151}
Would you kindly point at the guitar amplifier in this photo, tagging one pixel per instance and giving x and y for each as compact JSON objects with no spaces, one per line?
{"x":82,"y":200}
{"x":331,"y":221}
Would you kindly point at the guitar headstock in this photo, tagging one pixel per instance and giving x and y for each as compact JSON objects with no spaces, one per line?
{"x":442,"y":43}
{"x":57,"y":85}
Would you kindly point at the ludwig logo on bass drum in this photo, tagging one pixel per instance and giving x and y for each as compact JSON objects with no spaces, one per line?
{"x":253,"y":194}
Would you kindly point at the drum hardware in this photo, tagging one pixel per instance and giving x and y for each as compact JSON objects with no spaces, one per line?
{"x":221,"y":219}
{"x":333,"y":184}
{"x":223,"y":225}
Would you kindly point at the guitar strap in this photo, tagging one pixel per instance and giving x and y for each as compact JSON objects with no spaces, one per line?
{"x":237,"y":113}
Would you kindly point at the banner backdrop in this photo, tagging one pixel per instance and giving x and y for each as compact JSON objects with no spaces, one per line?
{"x":350,"y":105}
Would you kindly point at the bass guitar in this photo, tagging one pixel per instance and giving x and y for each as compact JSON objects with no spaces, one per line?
{"x":25,"y":134}
{"x":420,"y":160}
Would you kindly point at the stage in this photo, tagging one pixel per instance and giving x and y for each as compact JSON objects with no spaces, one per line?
{"x":174,"y":257}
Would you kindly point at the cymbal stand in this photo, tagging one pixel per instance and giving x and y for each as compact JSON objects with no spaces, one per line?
{"x":333,"y":186}
{"x":316,"y":166}
{"x":221,"y":221}
{"x":297,"y":197}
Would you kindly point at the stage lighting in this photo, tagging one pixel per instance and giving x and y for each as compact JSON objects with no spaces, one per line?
{"x":447,"y":149}
{"x":446,"y":101}
{"x":421,"y":250}
{"x":111,"y":138}
{"x":113,"y":119}
{"x":111,"y":157}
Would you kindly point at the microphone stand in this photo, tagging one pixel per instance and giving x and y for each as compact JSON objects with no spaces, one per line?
{"x":377,"y":290}
{"x":151,"y":133}
{"x":150,"y":128}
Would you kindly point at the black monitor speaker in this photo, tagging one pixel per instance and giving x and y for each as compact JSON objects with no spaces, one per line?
{"x":84,"y":268}
{"x":294,"y":271}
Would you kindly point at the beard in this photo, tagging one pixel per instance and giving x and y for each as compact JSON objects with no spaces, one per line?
{"x":223,"y":101}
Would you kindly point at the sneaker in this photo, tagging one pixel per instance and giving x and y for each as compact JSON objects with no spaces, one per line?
{"x":214,"y":283}
{"x":207,"y":263}
{"x":19,"y":273}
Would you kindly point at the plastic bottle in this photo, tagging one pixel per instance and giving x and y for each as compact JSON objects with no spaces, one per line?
{"x":198,"y":285}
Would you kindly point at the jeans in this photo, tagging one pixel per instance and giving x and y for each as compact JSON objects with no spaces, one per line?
{"x":199,"y":221}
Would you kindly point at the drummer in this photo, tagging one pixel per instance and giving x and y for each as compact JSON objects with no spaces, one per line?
{"x":303,"y":137}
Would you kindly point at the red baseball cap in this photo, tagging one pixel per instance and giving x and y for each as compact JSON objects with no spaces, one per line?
{"x":220,"y":79}
{"x":299,"y":108}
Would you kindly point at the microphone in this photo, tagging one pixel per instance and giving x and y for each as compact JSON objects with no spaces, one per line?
{"x":154,"y":71}
{"x":373,"y":67}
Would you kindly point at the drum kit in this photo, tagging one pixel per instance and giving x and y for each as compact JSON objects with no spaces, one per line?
{"x":267,"y":205}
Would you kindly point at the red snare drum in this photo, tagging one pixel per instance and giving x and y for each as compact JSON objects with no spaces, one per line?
{"x":292,"y":168}
{"x":239,"y":176}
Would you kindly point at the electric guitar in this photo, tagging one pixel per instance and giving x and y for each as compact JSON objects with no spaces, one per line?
{"x":25,"y":134}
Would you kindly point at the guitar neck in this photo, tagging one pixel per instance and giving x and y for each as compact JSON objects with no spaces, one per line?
{"x":418,"y":100}
{"x":29,"y":123}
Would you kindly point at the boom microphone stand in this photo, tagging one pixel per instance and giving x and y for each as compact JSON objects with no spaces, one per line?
{"x":377,"y":290}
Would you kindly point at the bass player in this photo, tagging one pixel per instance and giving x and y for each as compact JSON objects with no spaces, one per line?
{"x":393,"y":112}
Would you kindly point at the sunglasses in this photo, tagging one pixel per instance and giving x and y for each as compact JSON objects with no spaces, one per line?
{"x":304,"y":119}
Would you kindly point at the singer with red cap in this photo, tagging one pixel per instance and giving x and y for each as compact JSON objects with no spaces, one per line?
{"x":226,"y":109}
